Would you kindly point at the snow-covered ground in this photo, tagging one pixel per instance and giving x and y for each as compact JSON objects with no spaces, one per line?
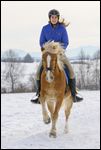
{"x":22,"y":126}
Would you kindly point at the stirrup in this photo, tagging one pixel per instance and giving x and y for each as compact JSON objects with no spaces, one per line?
{"x":78,"y":98}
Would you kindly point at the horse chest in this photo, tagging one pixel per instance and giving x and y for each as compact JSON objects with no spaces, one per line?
{"x":51,"y":95}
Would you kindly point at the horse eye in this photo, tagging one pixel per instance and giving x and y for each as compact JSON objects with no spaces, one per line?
{"x":42,"y":49}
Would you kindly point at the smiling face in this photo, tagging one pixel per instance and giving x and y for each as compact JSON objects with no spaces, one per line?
{"x":54,"y":19}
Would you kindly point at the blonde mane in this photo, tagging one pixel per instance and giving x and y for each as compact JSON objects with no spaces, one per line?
{"x":54,"y":48}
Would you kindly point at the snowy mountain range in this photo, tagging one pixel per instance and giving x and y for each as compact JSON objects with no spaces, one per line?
{"x":21,"y":53}
{"x":71,"y":53}
{"x":88,"y":50}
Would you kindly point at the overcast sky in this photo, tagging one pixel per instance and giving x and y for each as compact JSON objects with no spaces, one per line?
{"x":22,"y":21}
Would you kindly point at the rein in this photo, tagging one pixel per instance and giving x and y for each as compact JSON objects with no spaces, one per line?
{"x":48,"y":69}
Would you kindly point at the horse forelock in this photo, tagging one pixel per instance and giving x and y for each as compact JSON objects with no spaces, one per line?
{"x":54,"y":48}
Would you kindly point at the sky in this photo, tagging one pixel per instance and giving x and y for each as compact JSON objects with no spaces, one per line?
{"x":22,"y":22}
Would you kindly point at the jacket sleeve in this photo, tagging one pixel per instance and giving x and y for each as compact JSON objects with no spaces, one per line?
{"x":65,"y":40}
{"x":42,"y":37}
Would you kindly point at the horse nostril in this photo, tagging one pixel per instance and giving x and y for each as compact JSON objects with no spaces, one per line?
{"x":46,"y":78}
{"x":51,"y":79}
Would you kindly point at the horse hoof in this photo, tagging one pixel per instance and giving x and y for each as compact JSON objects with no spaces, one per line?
{"x":52,"y":135}
{"x":47,"y":121}
{"x":65,"y":131}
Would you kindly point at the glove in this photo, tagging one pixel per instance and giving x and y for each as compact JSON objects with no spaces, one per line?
{"x":42,"y":49}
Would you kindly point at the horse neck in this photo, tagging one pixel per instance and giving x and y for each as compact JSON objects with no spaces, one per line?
{"x":57,"y":71}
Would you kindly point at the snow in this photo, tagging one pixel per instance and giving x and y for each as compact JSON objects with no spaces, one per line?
{"x":22,"y":126}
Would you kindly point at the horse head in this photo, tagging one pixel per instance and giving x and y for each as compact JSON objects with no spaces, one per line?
{"x":51,"y":59}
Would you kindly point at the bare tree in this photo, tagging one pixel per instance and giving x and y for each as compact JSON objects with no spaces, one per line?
{"x":13,"y":71}
{"x":88,"y":72}
{"x":33,"y":82}
{"x":10,"y":56}
{"x":82,"y":69}
{"x":88,"y":76}
{"x":96,"y":72}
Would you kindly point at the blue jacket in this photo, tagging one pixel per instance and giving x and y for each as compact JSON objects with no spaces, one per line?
{"x":58,"y":34}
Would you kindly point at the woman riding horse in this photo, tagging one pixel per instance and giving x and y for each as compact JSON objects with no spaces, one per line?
{"x":52,"y":93}
{"x":56,"y":31}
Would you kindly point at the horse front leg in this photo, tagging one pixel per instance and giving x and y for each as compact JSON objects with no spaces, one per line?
{"x":55,"y":117}
{"x":53,"y":129}
{"x":46,"y":118}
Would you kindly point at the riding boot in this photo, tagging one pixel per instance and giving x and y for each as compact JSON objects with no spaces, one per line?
{"x":72,"y":84}
{"x":35,"y":99}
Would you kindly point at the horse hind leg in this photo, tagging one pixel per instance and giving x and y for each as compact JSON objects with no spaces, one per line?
{"x":68,"y":106}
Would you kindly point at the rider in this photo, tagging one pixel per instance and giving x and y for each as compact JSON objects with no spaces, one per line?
{"x":56,"y":30}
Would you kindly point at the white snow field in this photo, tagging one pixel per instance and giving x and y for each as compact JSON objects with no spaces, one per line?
{"x":22,"y":126}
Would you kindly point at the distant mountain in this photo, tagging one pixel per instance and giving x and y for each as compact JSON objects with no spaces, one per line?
{"x":88,"y":50}
{"x":18,"y":53}
{"x":71,"y":53}
{"x":21,"y":53}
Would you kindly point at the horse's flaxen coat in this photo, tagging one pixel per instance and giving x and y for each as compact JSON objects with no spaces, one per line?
{"x":53,"y":85}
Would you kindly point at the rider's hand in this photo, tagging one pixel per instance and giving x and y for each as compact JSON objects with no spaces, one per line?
{"x":42,"y":49}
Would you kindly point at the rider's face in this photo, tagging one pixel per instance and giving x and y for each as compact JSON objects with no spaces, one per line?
{"x":54,"y":19}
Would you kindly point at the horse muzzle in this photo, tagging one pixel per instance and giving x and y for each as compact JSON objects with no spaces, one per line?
{"x":49,"y":76}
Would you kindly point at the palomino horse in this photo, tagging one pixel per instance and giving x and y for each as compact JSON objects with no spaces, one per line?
{"x":53,"y":86}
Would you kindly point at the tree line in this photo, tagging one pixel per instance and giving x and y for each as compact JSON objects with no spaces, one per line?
{"x":87,"y":72}
{"x":10,"y":56}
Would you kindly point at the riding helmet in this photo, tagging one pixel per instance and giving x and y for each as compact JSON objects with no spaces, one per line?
{"x":53,"y":12}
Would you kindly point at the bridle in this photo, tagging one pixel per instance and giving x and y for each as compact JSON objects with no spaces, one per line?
{"x":49,"y":69}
